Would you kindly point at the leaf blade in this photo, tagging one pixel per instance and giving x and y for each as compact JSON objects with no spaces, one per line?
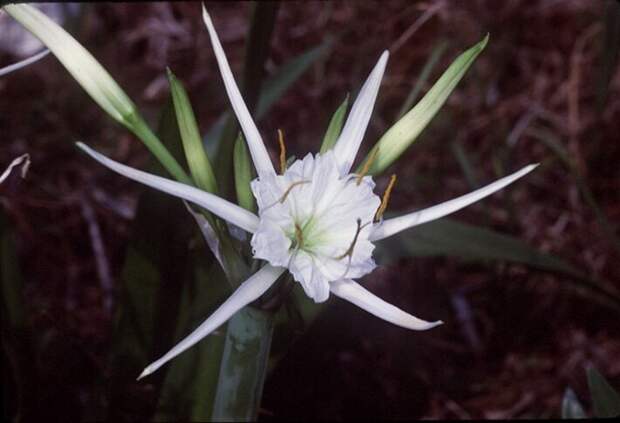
{"x":405,"y":131}
{"x":335,"y":126}
{"x":605,"y":399}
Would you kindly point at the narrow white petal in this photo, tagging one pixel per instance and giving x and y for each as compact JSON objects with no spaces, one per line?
{"x":23,"y":160}
{"x":259,"y":154}
{"x":354,"y":129}
{"x":15,"y":66}
{"x":247,"y":292}
{"x":216,"y":205}
{"x":352,"y":291}
{"x":395,"y":225}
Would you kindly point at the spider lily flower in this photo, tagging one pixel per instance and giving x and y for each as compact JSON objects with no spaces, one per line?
{"x":316,"y":219}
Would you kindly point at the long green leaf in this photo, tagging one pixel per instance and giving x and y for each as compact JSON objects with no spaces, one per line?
{"x":335,"y":126}
{"x":243,"y":175}
{"x":199,"y":164}
{"x":152,"y":278}
{"x":451,"y":238}
{"x":400,"y":136}
{"x":287,"y":75}
{"x":436,"y":54}
{"x":605,"y":399}
{"x":190,"y":384}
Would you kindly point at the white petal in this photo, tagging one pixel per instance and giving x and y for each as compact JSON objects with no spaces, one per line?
{"x":216,"y":205}
{"x":395,"y":225}
{"x":24,"y":160}
{"x":15,"y":66}
{"x":358,"y":295}
{"x":305,"y":271}
{"x":354,"y":129}
{"x":259,"y":154}
{"x":247,"y":292}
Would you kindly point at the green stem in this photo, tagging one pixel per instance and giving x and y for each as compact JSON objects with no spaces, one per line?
{"x":244,"y":365}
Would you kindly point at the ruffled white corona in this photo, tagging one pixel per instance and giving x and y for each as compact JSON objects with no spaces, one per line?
{"x":316,"y":223}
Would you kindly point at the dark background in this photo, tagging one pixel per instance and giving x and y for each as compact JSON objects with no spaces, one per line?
{"x":515,"y":337}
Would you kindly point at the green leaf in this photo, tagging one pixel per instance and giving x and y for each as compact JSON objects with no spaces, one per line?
{"x":571,"y":407}
{"x":243,"y":175}
{"x":335,"y":126}
{"x":153,"y":275}
{"x":199,"y":164}
{"x":400,"y":136}
{"x":465,"y":163}
{"x":436,"y":54}
{"x":447,"y":237}
{"x":287,"y":75}
{"x":190,"y":384}
{"x":605,"y":399}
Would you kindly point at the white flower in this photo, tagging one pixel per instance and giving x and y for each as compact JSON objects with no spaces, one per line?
{"x":317,"y":219}
{"x":316,"y":223}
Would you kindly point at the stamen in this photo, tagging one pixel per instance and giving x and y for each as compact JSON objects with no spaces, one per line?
{"x":385,"y":199}
{"x":366,"y":168}
{"x":288,"y":190}
{"x":282,"y":151}
{"x":282,"y":199}
{"x":349,"y":251}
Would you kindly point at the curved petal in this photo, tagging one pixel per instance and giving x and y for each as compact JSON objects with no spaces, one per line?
{"x":352,"y":291}
{"x":216,"y":205}
{"x":395,"y":225}
{"x":247,"y":292}
{"x":259,"y":154}
{"x":354,"y":129}
{"x":15,"y":66}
